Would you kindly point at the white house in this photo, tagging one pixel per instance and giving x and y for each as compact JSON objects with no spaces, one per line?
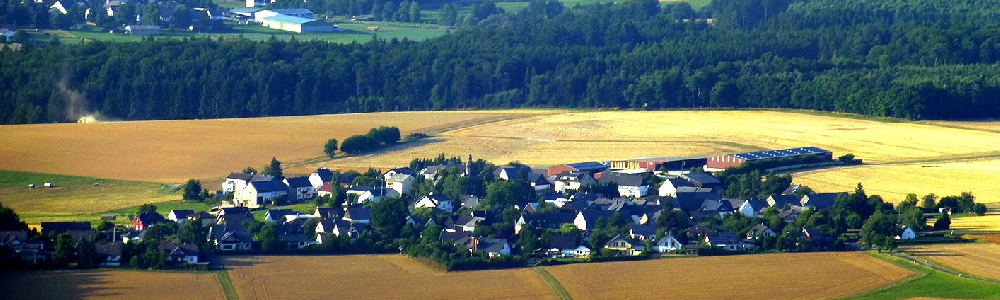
{"x":321,"y":176}
{"x":906,"y":234}
{"x":300,"y":189}
{"x":435,"y":201}
{"x":572,"y":181}
{"x":236,"y":182}
{"x":400,"y":183}
{"x":179,"y":215}
{"x":666,"y":244}
{"x":260,"y":193}
{"x":672,"y":186}
{"x":629,"y":185}
{"x":492,"y":247}
{"x":752,"y":208}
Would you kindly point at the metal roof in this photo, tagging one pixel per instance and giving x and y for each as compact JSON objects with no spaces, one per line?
{"x":779,"y":153}
{"x":288,"y":19}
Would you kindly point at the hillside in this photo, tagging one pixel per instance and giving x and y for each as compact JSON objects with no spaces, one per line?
{"x":912,"y":59}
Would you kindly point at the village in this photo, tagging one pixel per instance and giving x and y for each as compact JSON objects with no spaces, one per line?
{"x":514,"y":214}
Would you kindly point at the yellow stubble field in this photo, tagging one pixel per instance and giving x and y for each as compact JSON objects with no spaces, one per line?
{"x":174,"y":151}
{"x":902,"y":157}
{"x":818,"y":275}
{"x":979,"y":259}
{"x":109,"y":284}
{"x":374,"y":277}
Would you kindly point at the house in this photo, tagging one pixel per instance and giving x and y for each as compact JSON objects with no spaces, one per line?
{"x":591,"y":168}
{"x":571,"y":181}
{"x":819,"y":239}
{"x":697,"y":232}
{"x":321,"y":176}
{"x":709,"y":208}
{"x":142,"y":30}
{"x":300,"y":189}
{"x":146,"y":219}
{"x":760,"y":231}
{"x":906,"y":234}
{"x":278,"y":215}
{"x":703,"y":180}
{"x":629,"y":185}
{"x":13,"y":237}
{"x":454,"y":236}
{"x":546,"y":220}
{"x":782,"y":201}
{"x":539,"y":182}
{"x":691,"y":202}
{"x":179,"y":215}
{"x":357,"y":214}
{"x":819,"y":201}
{"x":132,"y":236}
{"x":325,"y":190}
{"x":204,"y":217}
{"x":296,"y":240}
{"x":230,"y":238}
{"x":623,"y":244}
{"x":468,"y":222}
{"x":238,"y":181}
{"x":566,"y":246}
{"x":586,"y":219}
{"x":340,"y":228}
{"x":400,"y":183}
{"x":260,"y":193}
{"x":510,"y":172}
{"x":178,"y":254}
{"x":406,"y":171}
{"x":790,"y":214}
{"x":642,"y":232}
{"x":326,"y":213}
{"x":728,"y":241}
{"x":435,"y":201}
{"x":672,"y":186}
{"x":233,"y":215}
{"x":7,"y":34}
{"x":109,"y":254}
{"x":30,"y":252}
{"x":490,"y":246}
{"x":719,"y":163}
{"x":666,"y":244}
{"x":51,"y":229}
{"x":752,"y":208}
{"x":468,"y":201}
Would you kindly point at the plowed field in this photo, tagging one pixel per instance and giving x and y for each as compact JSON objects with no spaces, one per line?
{"x":108,"y":284}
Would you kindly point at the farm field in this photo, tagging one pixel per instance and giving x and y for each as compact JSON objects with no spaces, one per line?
{"x":108,"y":284}
{"x":979,"y":259}
{"x":374,"y":277}
{"x":957,"y":159}
{"x":809,"y":276}
{"x":931,"y":284}
{"x":989,"y":222}
{"x":174,"y":151}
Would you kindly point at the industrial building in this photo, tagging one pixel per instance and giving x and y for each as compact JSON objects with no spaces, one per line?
{"x":719,"y":163}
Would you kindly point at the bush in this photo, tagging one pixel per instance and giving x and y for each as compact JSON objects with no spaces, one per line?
{"x":943,"y":222}
{"x":979,"y":209}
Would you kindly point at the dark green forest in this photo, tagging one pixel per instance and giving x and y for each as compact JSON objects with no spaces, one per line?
{"x":918,"y":59}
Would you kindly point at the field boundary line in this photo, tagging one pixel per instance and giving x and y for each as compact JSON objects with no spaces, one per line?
{"x":553,"y":283}
{"x":942,"y":268}
{"x":917,"y":270}
{"x":226,"y":283}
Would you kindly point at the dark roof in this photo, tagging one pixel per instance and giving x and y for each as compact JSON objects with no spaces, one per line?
{"x":298,"y":182}
{"x":702,"y":179}
{"x":677,"y":182}
{"x":358,"y":213}
{"x":758,"y":230}
{"x":692,"y":201}
{"x":781,"y":201}
{"x":538,"y":179}
{"x":757,"y":204}
{"x":552,"y":220}
{"x":182,"y":213}
{"x":279,"y":214}
{"x":324,"y":174}
{"x":623,"y":179}
{"x":723,"y":238}
{"x":716,"y":206}
{"x":182,"y":249}
{"x":406,"y":171}
{"x":820,"y":201}
{"x":269,"y":186}
{"x":235,"y":211}
{"x":592,"y":215}
{"x":588,"y":166}
{"x":453,"y":235}
{"x":8,"y":236}
{"x":563,"y":241}
{"x":60,"y":227}
{"x":109,"y":249}
{"x":240,"y":176}
{"x":643,"y":230}
{"x":779,"y":153}
{"x":491,"y":245}
{"x":150,"y":218}
{"x":813,"y":233}
{"x":230,"y":234}
{"x":327,"y":212}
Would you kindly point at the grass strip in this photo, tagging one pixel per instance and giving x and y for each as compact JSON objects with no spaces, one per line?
{"x":226,"y":284}
{"x":553,"y":283}
{"x":930,"y":283}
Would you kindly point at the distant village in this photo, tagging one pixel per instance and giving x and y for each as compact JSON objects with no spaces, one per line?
{"x":576,"y":211}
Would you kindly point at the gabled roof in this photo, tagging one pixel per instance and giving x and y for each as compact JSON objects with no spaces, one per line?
{"x":552,"y":220}
{"x":182,"y":213}
{"x":779,"y":153}
{"x":292,"y":11}
{"x":758,"y":230}
{"x":723,"y":238}
{"x":109,"y":249}
{"x":150,"y":218}
{"x":60,"y":227}
{"x":756,"y":204}
{"x":643,"y":230}
{"x":623,"y":179}
{"x":453,"y":235}
{"x":179,"y":249}
{"x":230,"y":234}
{"x":357,"y":213}
{"x":692,"y":201}
{"x":491,"y":245}
{"x":715,"y":206}
{"x":563,"y":241}
{"x":401,"y":171}
{"x":677,"y":182}
{"x":592,"y":215}
{"x":324,"y":174}
{"x":298,"y":182}
{"x":781,"y":201}
{"x":399,"y":177}
{"x":701,"y":179}
{"x":820,"y":201}
{"x":269,"y":186}
{"x":327,"y":212}
{"x":279,"y":214}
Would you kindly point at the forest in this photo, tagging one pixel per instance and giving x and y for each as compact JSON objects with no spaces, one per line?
{"x":916,"y":59}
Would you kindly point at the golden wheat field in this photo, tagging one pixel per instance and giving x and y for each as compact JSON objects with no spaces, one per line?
{"x":174,"y":151}
{"x":979,"y":259}
{"x":765,"y":276}
{"x":374,"y":277}
{"x":108,"y":284}
{"x":894,"y":181}
{"x":989,"y":222}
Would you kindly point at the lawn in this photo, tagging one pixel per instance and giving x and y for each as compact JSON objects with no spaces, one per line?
{"x":932,"y":284}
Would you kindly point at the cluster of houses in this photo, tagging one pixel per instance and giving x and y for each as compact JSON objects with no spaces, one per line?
{"x":299,"y":20}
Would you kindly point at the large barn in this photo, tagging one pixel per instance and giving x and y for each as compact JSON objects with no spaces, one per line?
{"x":655,"y":164}
{"x":297,"y":24}
{"x":719,"y":163}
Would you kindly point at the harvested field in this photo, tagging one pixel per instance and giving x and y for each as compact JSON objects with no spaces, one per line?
{"x":815,"y":276}
{"x":74,"y":196}
{"x":989,"y":222}
{"x":989,"y":238}
{"x":108,"y":284}
{"x":374,"y":277}
{"x":964,"y":156}
{"x":174,"y":151}
{"x":979,"y":259}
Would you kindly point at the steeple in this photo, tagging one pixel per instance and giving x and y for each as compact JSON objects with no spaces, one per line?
{"x":468,"y":166}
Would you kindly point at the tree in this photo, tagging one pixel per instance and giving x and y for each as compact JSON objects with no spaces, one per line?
{"x":181,"y":18}
{"x":274,"y":169}
{"x":105,"y":226}
{"x":64,"y":250}
{"x":356,"y":144}
{"x":249,"y":170}
{"x":331,"y":148}
{"x":966,"y":201}
{"x":448,"y":15}
{"x":86,"y":254}
{"x":268,"y":238}
{"x":192,"y":232}
{"x":146,"y":208}
{"x":943,"y":222}
{"x":9,"y":220}
{"x":928,"y":202}
{"x":415,"y":12}
{"x":193,"y":191}
{"x":979,"y":209}
{"x":21,"y":36}
{"x":150,"y":13}
{"x":388,"y":216}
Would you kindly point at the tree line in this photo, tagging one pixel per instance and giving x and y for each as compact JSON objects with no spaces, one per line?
{"x":920,"y":60}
